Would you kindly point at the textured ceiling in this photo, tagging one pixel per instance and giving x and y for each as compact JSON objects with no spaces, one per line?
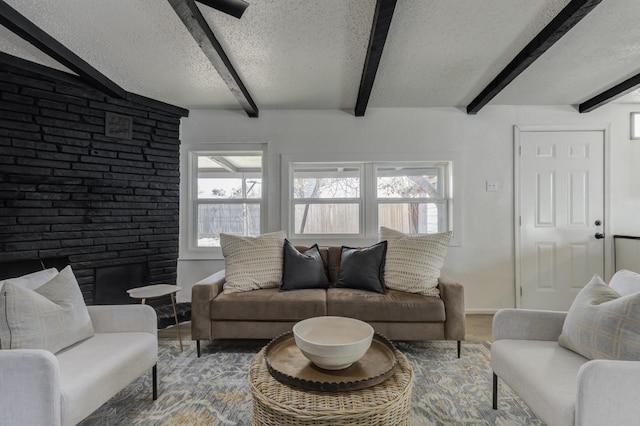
{"x":294,"y":54}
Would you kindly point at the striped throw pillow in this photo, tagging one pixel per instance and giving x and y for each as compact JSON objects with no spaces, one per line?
{"x":252,"y":263}
{"x":414,"y":261}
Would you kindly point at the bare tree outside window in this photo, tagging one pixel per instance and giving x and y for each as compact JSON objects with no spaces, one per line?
{"x":328,"y":198}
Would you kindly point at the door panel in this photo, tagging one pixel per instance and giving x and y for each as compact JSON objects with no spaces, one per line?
{"x":561,"y":196}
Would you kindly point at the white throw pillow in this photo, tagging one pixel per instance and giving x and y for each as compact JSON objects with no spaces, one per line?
{"x":51,"y":317}
{"x":32,"y":280}
{"x":413,"y":262}
{"x":625,"y":282}
{"x":252,"y":263}
{"x":601,"y":324}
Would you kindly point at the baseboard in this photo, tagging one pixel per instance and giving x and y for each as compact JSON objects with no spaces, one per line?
{"x":481,"y":311}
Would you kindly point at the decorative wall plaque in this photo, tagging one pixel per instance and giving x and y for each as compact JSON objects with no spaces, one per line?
{"x":118,"y":126}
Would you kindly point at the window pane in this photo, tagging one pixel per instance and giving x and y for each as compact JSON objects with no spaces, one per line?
{"x":219,"y":188}
{"x":343,"y":182}
{"x":239,"y":219}
{"x":413,"y":218}
{"x":254,"y":187}
{"x":327,"y":218}
{"x":409,"y":183}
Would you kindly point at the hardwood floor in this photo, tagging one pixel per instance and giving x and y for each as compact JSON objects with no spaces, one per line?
{"x":478,"y":329}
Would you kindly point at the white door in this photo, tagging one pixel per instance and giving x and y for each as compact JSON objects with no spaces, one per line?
{"x":561,"y":209}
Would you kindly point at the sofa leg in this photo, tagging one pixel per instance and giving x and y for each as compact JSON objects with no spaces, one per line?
{"x":154,"y":376}
{"x":495,"y":391}
{"x":459,"y":347}
{"x":198,"y":347}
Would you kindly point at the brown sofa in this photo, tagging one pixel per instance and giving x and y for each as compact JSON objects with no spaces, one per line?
{"x":266,"y":313}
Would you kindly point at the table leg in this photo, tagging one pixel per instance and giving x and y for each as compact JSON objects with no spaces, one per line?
{"x":175,"y":315}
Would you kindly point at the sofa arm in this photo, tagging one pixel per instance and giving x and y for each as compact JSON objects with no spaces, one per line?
{"x":526,"y":324}
{"x":452,"y":294}
{"x":202,"y":293}
{"x":29,"y":387}
{"x":607,"y":393}
{"x":123,"y":318}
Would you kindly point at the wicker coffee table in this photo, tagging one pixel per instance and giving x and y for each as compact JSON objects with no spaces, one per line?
{"x":276,"y":404}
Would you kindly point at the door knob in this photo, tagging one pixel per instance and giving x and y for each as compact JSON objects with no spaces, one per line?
{"x":599,"y":235}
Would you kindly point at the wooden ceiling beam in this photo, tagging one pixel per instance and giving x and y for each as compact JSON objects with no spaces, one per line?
{"x":197,"y":25}
{"x":24,"y":28}
{"x":377,"y":39}
{"x":234,"y":8}
{"x":550,"y":34}
{"x":611,"y":94}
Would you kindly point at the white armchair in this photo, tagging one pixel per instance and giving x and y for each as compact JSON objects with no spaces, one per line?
{"x":560,"y":386}
{"x":38,"y":387}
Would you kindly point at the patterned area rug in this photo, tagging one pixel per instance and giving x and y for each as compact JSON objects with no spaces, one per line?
{"x":214,"y":390}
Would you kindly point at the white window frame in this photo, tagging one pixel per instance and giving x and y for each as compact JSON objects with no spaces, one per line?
{"x":190,"y":248}
{"x":369,"y":192}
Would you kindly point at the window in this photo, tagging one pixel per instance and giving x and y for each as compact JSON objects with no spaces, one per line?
{"x":413,"y":200}
{"x":327,"y":199}
{"x":338,"y":199}
{"x":226,"y":195}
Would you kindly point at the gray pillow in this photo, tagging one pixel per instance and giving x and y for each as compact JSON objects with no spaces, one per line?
{"x":302,"y":270}
{"x":601,"y":324}
{"x":363,"y":268}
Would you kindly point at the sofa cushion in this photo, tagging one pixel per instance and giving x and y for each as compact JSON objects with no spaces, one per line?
{"x":51,"y":317}
{"x":414,"y":261}
{"x":302,"y":270}
{"x":601,"y":324}
{"x":542,"y":373}
{"x":394,"y":306}
{"x":252,"y":262}
{"x":625,"y":282}
{"x":269,"y":305}
{"x":363,"y":268}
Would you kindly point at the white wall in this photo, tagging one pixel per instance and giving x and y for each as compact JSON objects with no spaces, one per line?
{"x":484,"y":261}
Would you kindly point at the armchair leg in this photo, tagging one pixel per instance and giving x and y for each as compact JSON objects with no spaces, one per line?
{"x":495,"y":391}
{"x":154,"y":376}
{"x":459,"y":347}
{"x":198,"y":347}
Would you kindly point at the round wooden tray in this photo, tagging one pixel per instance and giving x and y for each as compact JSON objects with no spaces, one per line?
{"x":288,"y":365}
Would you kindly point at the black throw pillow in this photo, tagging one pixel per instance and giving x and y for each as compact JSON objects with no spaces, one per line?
{"x":302,"y":270}
{"x":363,"y":269}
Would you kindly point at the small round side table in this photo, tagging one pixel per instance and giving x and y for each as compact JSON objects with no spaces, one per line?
{"x":158,"y":290}
{"x":277,"y":404}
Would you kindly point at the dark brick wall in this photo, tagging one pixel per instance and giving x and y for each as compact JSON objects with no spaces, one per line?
{"x":67,"y":190}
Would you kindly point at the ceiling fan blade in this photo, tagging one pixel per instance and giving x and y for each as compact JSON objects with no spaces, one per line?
{"x":230,"y":7}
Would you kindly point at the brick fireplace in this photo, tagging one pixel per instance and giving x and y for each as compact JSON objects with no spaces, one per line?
{"x":101,"y":195}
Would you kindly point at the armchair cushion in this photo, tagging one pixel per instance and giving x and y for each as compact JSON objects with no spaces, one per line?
{"x":625,"y":282}
{"x":603,"y":325}
{"x":51,"y":317}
